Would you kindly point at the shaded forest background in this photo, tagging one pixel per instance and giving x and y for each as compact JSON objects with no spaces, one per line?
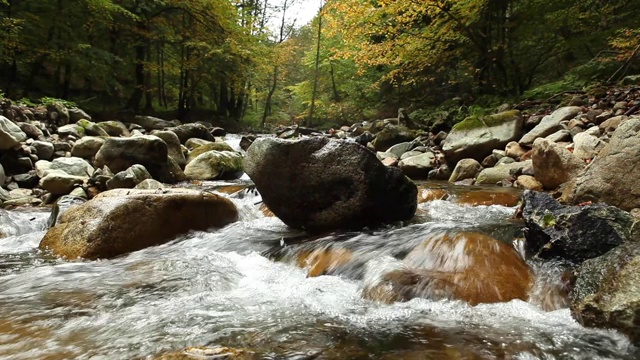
{"x":221,"y":60}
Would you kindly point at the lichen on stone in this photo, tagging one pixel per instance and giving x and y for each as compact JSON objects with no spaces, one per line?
{"x":474,"y":122}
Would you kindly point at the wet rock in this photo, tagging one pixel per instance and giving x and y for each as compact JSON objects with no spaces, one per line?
{"x":87,"y":147}
{"x":129,"y":178}
{"x":613,"y":177}
{"x":102,"y":227}
{"x":486,"y":198}
{"x":467,"y":266}
{"x":152,"y":123}
{"x":477,"y":137}
{"x":149,"y":151}
{"x":218,"y":132}
{"x":114,"y":128}
{"x":494,"y":175}
{"x":318,"y":184}
{"x":205,"y":353}
{"x":418,"y":167}
{"x":192,"y":130}
{"x":174,"y":147}
{"x":550,"y":124}
{"x":210,"y":146}
{"x":392,"y":135}
{"x":465,"y":169}
{"x":44,"y":149}
{"x":10,"y":134}
{"x":607,"y":291}
{"x":574,"y":233}
{"x":427,"y":195}
{"x":323,"y":261}
{"x":27,"y":181}
{"x":553,"y":164}
{"x":214,"y":165}
{"x":61,"y":206}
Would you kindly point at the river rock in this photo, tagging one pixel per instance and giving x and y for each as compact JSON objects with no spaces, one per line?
{"x":494,"y":175}
{"x":209,"y":146}
{"x":87,"y":147}
{"x":10,"y":134}
{"x":91,"y":128}
{"x":215,"y":165}
{"x":103,"y":226}
{"x":418,"y":166}
{"x":150,"y":184}
{"x":44,"y":149}
{"x":174,"y":147}
{"x":465,"y":169}
{"x":515,"y":150}
{"x":61,"y":206}
{"x":3,"y":176}
{"x":72,"y":166}
{"x":31,"y":130}
{"x":60,"y":183}
{"x":614,"y":176}
{"x":559,"y":136}
{"x":392,"y":135}
{"x":76,"y":115}
{"x":129,"y":178}
{"x":574,"y":233}
{"x":318,"y":184}
{"x":467,"y":266}
{"x":550,"y":124}
{"x":114,"y":128}
{"x":586,"y":146}
{"x":399,"y":149}
{"x":74,"y":130}
{"x":195,"y":142}
{"x":553,"y":164}
{"x":476,"y":137}
{"x":58,"y":113}
{"x":119,"y":154}
{"x":152,"y":123}
{"x":529,"y":182}
{"x":192,"y":130}
{"x":607,"y":291}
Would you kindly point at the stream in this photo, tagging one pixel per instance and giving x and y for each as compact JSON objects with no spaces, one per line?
{"x":241,"y":287}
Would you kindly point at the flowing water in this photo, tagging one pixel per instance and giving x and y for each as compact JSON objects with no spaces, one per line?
{"x":241,"y":287}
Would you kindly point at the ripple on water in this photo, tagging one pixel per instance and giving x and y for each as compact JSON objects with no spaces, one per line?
{"x":222,"y":288}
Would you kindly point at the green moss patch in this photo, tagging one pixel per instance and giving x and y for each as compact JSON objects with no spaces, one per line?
{"x":475,"y":122}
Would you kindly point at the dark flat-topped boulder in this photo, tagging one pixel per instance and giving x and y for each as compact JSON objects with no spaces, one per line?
{"x":319,"y":184}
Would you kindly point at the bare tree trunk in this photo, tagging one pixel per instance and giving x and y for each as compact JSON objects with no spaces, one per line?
{"x":315,"y":79}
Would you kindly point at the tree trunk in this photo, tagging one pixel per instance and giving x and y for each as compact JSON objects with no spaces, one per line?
{"x":316,"y":75}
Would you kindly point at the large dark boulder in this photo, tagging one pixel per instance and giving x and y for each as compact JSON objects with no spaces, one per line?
{"x":319,"y":184}
{"x":607,"y":291}
{"x":123,"y":220}
{"x":574,"y":233}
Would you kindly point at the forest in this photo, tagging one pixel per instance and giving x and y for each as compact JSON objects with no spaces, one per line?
{"x":357,"y":59}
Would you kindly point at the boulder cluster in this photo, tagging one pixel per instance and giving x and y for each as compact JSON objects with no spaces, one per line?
{"x":50,"y":151}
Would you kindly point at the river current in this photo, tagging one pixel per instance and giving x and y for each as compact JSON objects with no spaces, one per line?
{"x":241,"y":287}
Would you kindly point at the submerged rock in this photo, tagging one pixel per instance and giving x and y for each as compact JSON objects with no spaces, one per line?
{"x":574,"y":233}
{"x":318,"y":184}
{"x":467,"y":266}
{"x":607,"y":291}
{"x":104,"y":228}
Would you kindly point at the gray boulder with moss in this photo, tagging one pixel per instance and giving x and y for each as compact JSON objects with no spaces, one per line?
{"x":213,"y":165}
{"x":477,"y":136}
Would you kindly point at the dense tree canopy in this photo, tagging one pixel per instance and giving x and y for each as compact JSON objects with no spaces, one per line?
{"x":364,"y":58}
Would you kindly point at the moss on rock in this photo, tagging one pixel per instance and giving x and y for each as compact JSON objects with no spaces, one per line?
{"x":474,"y":122}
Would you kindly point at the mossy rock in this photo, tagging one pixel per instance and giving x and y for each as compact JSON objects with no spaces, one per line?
{"x":474,"y":122}
{"x":217,"y":146}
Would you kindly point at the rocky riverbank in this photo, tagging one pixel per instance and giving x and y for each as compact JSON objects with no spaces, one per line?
{"x":328,"y":181}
